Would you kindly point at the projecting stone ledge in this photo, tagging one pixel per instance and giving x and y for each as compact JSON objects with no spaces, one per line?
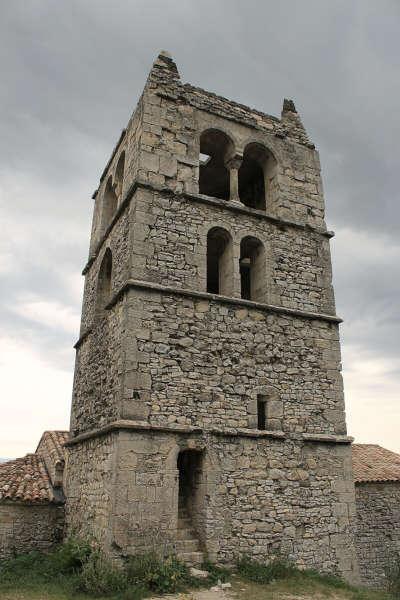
{"x":125,"y":424}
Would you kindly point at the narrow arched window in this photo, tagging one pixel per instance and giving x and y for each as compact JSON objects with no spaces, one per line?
{"x":119,"y":176}
{"x":219,"y":262}
{"x":214,"y":179}
{"x":256,"y":176}
{"x":252,"y":269}
{"x":110,"y":203}
{"x":104,"y":282}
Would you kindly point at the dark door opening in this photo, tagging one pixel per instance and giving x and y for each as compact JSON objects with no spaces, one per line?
{"x":190,"y":478}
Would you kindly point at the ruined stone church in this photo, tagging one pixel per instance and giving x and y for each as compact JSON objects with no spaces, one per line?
{"x":208,"y":408}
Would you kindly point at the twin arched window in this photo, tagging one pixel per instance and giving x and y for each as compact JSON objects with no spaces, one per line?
{"x":103,"y":295}
{"x":113,"y":193}
{"x":220,"y":266}
{"x":225,"y":175}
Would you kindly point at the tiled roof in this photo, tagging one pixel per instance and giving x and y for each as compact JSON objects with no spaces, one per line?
{"x":30,"y":479}
{"x":52,"y":442}
{"x":25,"y":480}
{"x":374,"y":463}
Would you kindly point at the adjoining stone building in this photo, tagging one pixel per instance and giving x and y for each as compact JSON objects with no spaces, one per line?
{"x":32,"y":498}
{"x":208,"y":406}
{"x":377,"y":480}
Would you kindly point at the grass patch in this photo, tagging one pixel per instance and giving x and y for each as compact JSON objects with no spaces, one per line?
{"x":276,"y":568}
{"x":266,"y":581}
{"x":77,"y":571}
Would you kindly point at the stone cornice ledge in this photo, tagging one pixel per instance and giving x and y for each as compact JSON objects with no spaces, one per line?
{"x":218,"y":431}
{"x":327,"y":438}
{"x":201,"y":198}
{"x":239,"y":302}
{"x":156,"y":287}
{"x":233,"y":207}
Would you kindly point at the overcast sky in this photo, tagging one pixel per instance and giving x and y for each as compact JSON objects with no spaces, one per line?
{"x":72,"y":72}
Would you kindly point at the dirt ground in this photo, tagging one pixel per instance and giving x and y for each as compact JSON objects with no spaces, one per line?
{"x":236,"y":595}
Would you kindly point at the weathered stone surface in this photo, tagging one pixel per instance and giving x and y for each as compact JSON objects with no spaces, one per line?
{"x":377,"y":529}
{"x":28,"y":527}
{"x":194,"y":368}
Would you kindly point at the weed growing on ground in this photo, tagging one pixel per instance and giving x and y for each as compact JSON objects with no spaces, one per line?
{"x":263,"y":573}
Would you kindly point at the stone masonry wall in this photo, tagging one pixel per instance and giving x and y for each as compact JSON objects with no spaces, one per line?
{"x":89,"y":487}
{"x":177,"y":115}
{"x":119,"y":242}
{"x":98,"y":369}
{"x":258,"y":495}
{"x":27,"y":527}
{"x":202,"y":362}
{"x":377,"y":529}
{"x":128,"y":143}
{"x":170,"y":247}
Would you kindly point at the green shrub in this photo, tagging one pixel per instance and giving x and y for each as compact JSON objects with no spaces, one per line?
{"x":216,"y":573}
{"x":277,"y":568}
{"x":325,"y":579}
{"x":70,"y":556}
{"x":160,"y":576}
{"x":99,"y":577}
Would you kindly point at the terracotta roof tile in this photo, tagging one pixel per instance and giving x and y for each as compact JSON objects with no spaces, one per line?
{"x":374,"y":463}
{"x":52,"y":442}
{"x":25,"y":480}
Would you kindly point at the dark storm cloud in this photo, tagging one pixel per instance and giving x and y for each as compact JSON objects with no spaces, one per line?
{"x":72,"y":73}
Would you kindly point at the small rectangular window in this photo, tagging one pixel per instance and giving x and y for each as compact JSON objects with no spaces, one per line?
{"x":261,"y":412}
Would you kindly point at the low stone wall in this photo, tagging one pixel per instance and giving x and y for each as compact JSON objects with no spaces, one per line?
{"x":27,"y":527}
{"x":378,"y":529}
{"x":89,"y":485}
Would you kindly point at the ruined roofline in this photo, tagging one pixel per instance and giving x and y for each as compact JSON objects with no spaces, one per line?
{"x":164,"y":74}
{"x":193,"y":88}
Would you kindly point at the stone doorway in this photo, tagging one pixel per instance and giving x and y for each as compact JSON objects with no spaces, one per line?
{"x":190,"y":481}
{"x":190,"y":505}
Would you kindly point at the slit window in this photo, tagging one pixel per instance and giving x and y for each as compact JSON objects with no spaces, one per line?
{"x":261,"y":413}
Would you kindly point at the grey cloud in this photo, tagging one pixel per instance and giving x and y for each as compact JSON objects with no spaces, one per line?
{"x":72,"y":73}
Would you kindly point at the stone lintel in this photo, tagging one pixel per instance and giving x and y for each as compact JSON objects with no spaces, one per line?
{"x":202,"y":199}
{"x":239,"y":302}
{"x":121,"y":425}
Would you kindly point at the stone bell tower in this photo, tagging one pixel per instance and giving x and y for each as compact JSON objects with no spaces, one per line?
{"x":208,"y":410}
